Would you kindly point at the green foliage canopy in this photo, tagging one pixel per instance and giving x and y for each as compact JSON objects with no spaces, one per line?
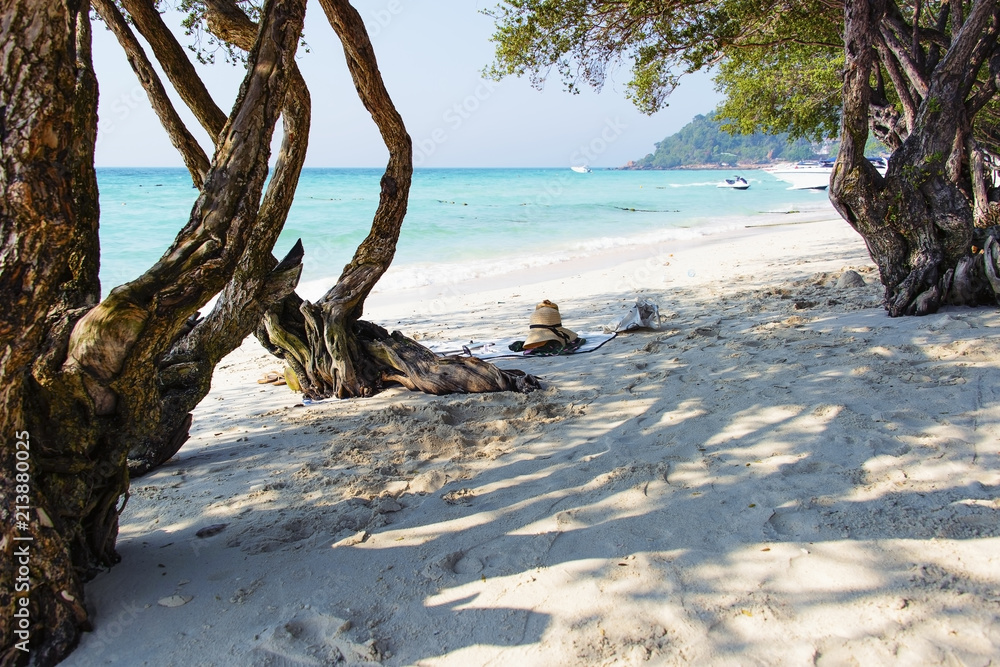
{"x":795,"y":90}
{"x":204,"y":45}
{"x":777,"y":62}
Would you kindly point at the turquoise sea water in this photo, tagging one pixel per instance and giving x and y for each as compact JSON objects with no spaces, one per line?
{"x":461,"y":223}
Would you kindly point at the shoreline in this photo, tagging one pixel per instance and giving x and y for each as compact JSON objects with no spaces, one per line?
{"x":779,"y":474}
{"x":630,"y":269}
{"x":571,"y":262}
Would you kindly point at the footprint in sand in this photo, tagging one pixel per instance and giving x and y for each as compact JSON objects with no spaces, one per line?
{"x":795,"y":523}
{"x":310,"y":638}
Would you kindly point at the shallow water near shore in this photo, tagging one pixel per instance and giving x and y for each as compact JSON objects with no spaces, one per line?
{"x":461,"y":224}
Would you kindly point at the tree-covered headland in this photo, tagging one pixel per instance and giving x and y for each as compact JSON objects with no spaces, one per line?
{"x":705,"y":143}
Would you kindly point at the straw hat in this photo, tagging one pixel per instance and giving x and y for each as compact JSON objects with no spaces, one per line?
{"x":546,"y":325}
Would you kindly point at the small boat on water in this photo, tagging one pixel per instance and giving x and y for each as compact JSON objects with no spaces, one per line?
{"x":581,"y":170}
{"x":734,"y":183}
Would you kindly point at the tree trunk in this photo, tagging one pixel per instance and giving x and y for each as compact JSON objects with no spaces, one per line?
{"x":81,"y":384}
{"x":48,"y":274}
{"x":329,"y":348}
{"x":918,"y":221}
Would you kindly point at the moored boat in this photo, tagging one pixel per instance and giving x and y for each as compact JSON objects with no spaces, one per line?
{"x":805,"y":175}
{"x":814,"y":174}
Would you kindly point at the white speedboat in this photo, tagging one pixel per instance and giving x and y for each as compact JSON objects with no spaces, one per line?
{"x":734,"y":183}
{"x":814,"y":174}
{"x":806,"y":175}
{"x":581,"y":170}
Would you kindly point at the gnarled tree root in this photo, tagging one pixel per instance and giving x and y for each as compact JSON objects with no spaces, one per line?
{"x":920,"y":292}
{"x":415,"y":367}
{"x":974,"y":281}
{"x":333,"y":356}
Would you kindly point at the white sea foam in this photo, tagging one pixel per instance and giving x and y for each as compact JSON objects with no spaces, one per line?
{"x":408,"y":276}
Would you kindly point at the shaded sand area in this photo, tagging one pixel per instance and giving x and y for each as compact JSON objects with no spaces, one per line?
{"x":780,"y":474}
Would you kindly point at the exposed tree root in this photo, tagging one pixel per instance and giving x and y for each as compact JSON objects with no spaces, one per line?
{"x":417,"y":368}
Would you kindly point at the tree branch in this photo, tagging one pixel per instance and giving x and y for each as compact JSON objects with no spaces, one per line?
{"x":861,"y":19}
{"x":375,"y":253}
{"x":899,"y":82}
{"x":915,"y":76}
{"x":985,"y":50}
{"x":965,"y":42}
{"x":149,"y":312}
{"x":176,"y":65}
{"x":989,"y":88}
{"x":191,"y":152}
{"x":246,"y":297}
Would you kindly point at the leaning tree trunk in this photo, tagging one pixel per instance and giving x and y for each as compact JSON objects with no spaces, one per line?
{"x":82,"y":384}
{"x":918,"y":220}
{"x":259,"y":280}
{"x":326,"y":344}
{"x":48,"y":276}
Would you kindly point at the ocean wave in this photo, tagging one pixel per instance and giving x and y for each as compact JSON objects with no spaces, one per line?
{"x":412,"y":276}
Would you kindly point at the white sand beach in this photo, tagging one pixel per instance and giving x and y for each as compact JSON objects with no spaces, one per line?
{"x":779,"y":475}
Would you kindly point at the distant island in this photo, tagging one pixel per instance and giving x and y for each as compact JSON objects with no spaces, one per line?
{"x":703,"y":144}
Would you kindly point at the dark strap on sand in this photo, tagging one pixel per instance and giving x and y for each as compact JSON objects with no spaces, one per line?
{"x":554,"y":328}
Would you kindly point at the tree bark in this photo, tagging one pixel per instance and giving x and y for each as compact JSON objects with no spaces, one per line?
{"x":918,"y":221}
{"x":48,"y":223}
{"x":82,"y":383}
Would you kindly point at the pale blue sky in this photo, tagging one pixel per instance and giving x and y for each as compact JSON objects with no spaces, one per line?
{"x":431,"y":55}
